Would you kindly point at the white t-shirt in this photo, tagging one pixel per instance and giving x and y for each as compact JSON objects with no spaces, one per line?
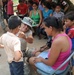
{"x":11,"y":44}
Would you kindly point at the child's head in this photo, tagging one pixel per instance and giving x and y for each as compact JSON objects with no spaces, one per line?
{"x":14,"y":22}
{"x":26,"y":24}
{"x":69,"y":19}
{"x":58,"y":8}
{"x":35,"y":5}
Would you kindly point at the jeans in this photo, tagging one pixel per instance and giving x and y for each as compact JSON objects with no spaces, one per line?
{"x":16,"y":68}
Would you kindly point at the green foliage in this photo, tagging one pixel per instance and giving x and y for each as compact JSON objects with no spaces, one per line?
{"x":15,"y":2}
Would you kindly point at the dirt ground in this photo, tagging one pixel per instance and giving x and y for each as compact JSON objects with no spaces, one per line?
{"x":4,"y":68}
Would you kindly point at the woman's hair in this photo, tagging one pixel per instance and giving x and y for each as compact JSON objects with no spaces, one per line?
{"x":54,"y":22}
{"x":36,"y":3}
{"x":14,"y":22}
{"x":69,"y":15}
{"x":47,"y":4}
{"x":30,"y":1}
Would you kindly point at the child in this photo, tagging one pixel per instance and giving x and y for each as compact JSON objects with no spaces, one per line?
{"x":57,"y":12}
{"x":12,"y":46}
{"x":69,"y":23}
{"x":22,"y":9}
{"x":10,"y":11}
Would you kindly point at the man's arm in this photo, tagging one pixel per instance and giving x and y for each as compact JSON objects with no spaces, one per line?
{"x":18,"y":55}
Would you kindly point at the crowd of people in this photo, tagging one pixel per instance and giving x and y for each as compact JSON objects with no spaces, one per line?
{"x":37,"y":10}
{"x":38,"y":17}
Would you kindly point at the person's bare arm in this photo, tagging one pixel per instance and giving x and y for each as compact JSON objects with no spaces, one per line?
{"x":29,"y":39}
{"x":40,"y":13}
{"x":54,"y":54}
{"x":1,"y":45}
{"x":30,"y":13}
{"x":17,"y":55}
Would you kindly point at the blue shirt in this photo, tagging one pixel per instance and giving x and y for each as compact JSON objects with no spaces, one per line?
{"x":47,"y":13}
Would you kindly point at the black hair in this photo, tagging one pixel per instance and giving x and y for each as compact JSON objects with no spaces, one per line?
{"x":53,"y":5}
{"x":14,"y":22}
{"x":36,"y":3}
{"x":30,"y":1}
{"x":47,"y":4}
{"x":54,"y":22}
{"x":21,"y":1}
{"x":58,"y":5}
{"x":69,"y":15}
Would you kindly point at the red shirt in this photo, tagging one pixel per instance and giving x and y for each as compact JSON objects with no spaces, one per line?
{"x":71,"y":32}
{"x":10,"y":7}
{"x":22,"y":8}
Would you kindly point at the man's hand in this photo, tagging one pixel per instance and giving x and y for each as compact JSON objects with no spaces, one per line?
{"x":21,"y":35}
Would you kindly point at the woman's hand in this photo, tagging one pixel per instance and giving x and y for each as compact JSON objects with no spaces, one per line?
{"x":39,"y":59}
{"x":35,"y":51}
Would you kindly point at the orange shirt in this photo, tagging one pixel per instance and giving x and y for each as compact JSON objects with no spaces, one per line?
{"x":22,"y":8}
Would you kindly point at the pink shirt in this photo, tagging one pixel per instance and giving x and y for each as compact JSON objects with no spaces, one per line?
{"x":63,"y":55}
{"x":10,"y":7}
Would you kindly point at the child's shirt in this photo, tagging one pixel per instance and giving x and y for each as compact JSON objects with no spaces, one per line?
{"x":71,"y":35}
{"x":11,"y":44}
{"x":22,"y":9}
{"x":58,"y":15}
{"x":10,"y":7}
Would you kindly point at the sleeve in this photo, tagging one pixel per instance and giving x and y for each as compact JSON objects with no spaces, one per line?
{"x":71,"y":33}
{"x":0,"y":40}
{"x":50,"y":12}
{"x":17,"y":45}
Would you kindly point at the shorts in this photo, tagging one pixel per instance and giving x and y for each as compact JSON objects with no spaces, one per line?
{"x":44,"y":69}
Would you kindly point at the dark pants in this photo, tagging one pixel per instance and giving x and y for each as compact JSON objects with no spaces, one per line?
{"x":16,"y":68}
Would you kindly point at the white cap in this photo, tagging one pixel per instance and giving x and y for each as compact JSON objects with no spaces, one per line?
{"x":28,"y":21}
